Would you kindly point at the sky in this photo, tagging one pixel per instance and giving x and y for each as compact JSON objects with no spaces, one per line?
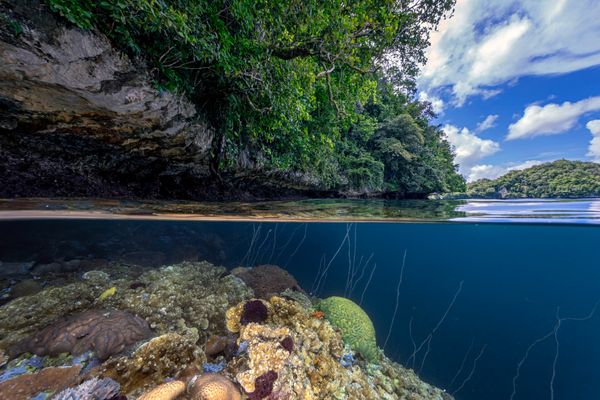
{"x":516,"y":83}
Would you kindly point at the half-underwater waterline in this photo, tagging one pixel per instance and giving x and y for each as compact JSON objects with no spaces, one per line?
{"x":493,"y":310}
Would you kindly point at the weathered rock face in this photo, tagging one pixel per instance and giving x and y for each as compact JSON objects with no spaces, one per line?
{"x":79,"y":118}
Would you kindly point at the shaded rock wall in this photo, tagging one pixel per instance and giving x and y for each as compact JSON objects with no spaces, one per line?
{"x":79,"y":118}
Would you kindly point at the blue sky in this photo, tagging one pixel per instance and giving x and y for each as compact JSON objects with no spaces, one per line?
{"x":517,"y":83}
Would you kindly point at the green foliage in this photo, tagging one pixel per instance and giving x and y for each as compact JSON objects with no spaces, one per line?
{"x":304,"y":85}
{"x":14,"y":25}
{"x":560,"y":178}
{"x":356,"y":326}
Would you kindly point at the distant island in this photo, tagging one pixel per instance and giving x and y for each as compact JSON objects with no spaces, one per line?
{"x":557,"y":179}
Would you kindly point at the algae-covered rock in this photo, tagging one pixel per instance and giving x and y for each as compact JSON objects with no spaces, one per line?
{"x":356,"y":326}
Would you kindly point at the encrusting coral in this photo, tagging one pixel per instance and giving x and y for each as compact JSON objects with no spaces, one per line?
{"x":356,"y":326}
{"x":104,"y":332}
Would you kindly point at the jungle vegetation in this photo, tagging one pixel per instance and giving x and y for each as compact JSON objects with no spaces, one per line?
{"x":560,"y":178}
{"x":324,"y":88}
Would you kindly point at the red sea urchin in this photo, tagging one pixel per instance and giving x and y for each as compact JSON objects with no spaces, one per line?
{"x":254,"y":311}
{"x":263,"y":385}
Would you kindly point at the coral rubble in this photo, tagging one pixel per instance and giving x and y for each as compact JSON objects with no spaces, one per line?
{"x":96,"y":389}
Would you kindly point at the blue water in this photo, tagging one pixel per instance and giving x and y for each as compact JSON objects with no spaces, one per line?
{"x":476,"y":299}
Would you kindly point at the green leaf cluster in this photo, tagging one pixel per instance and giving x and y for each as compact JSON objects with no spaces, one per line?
{"x":322,"y":88}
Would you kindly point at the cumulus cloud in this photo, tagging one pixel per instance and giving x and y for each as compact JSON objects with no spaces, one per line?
{"x":594,"y":147}
{"x":551,"y":119}
{"x":469,"y":148}
{"x":490,"y":171}
{"x":488,"y":123}
{"x":491,"y":42}
{"x":437,"y":104}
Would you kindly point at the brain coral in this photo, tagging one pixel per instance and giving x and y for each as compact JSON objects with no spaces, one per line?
{"x":104,"y":332}
{"x":356,"y":326}
{"x":213,"y":387}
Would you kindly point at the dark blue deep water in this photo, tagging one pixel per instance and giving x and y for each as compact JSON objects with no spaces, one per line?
{"x":484,"y":310}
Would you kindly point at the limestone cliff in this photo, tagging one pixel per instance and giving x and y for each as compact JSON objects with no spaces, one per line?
{"x":79,"y":118}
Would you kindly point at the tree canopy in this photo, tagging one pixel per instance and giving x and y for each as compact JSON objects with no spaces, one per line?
{"x":324,"y":88}
{"x":560,"y":178}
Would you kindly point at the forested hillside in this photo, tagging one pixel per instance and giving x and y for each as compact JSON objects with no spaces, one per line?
{"x":322,"y":89}
{"x":560,"y":178}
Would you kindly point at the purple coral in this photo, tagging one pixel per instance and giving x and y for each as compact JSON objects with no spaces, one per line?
{"x":254,"y":311}
{"x":97,"y":389}
{"x":288,"y":343}
{"x":263,"y":385}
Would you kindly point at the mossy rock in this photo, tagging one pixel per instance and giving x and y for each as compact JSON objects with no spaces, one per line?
{"x":356,"y":326}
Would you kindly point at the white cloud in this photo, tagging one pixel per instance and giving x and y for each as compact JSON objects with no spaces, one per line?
{"x":437,"y":104}
{"x":469,"y":148}
{"x":488,"y":123}
{"x":594,"y":147}
{"x":551,"y":119}
{"x":490,"y":42}
{"x":490,"y":171}
{"x":482,"y":171}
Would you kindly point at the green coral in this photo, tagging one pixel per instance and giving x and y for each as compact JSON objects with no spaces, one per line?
{"x":356,"y":326}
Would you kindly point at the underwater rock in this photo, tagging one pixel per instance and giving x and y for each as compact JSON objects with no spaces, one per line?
{"x":213,"y":387}
{"x":96,"y":389}
{"x":356,"y":326}
{"x":27,"y":287}
{"x":269,"y":280}
{"x":104,"y":332}
{"x":215,"y":345}
{"x":154,"y":361}
{"x":52,"y":379}
{"x":146,"y":259}
{"x":166,"y":391}
{"x":96,"y":277}
{"x":14,"y":269}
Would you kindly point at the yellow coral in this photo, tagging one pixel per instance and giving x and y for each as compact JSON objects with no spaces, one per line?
{"x":108,"y":293}
{"x":213,"y":387}
{"x":166,"y":391}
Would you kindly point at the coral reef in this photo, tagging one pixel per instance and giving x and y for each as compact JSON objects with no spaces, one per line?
{"x":93,"y":389}
{"x":317,"y":367}
{"x":356,"y":326}
{"x":166,"y":391}
{"x":154,"y":361}
{"x":174,"y":298}
{"x":268,"y":280}
{"x":52,"y":379}
{"x":213,"y":387}
{"x":104,"y":332}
